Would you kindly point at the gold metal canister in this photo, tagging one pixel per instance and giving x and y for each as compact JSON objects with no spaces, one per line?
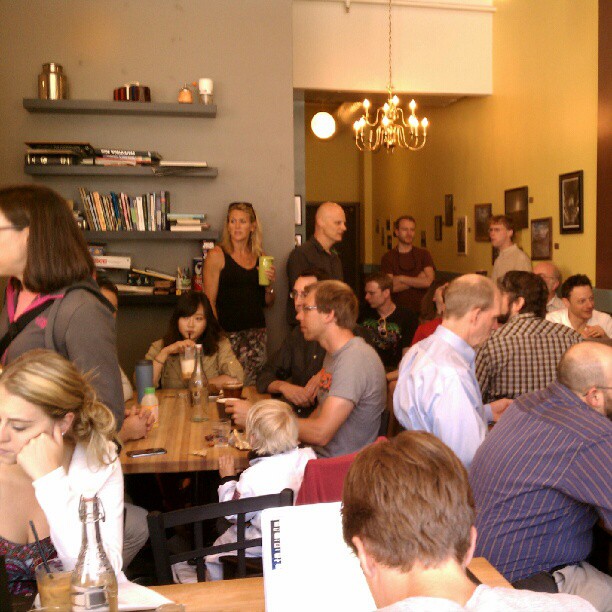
{"x":52,"y":82}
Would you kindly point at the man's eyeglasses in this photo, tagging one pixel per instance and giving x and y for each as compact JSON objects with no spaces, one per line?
{"x":293,"y":294}
{"x":382,"y":327}
{"x":307,"y":308}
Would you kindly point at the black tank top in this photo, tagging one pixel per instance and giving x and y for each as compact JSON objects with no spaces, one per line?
{"x":240,"y":298}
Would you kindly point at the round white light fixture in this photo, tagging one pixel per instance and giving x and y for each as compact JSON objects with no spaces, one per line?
{"x":323,"y":125}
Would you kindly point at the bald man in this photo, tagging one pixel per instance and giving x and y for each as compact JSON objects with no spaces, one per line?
{"x":317,"y":251}
{"x":550,"y":274}
{"x":542,"y":479}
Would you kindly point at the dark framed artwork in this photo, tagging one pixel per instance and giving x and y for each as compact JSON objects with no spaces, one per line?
{"x":461,"y":235}
{"x":482,"y":214}
{"x":438,"y":227}
{"x":448,"y":210}
{"x":541,"y":238}
{"x":516,"y":203}
{"x":423,"y":239}
{"x":571,"y":203}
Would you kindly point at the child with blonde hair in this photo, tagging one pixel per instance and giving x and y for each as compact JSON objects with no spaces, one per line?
{"x":276,"y":464}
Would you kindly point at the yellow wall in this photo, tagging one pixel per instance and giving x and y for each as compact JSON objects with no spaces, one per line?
{"x":540,"y":122}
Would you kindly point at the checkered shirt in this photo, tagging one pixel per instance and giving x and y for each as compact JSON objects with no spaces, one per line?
{"x":521,"y":356}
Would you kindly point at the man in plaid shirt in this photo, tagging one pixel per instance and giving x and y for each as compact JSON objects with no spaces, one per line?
{"x":522,"y":355}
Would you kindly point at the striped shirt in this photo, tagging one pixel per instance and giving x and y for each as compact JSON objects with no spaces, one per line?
{"x":521,"y":356}
{"x":541,"y":479}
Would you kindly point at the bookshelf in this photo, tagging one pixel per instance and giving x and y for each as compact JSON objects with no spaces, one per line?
{"x":135,"y":171}
{"x":111,"y":107}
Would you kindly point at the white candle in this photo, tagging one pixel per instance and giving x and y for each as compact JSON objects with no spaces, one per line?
{"x":206,"y":86}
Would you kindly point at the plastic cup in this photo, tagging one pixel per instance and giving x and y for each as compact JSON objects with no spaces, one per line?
{"x":188,"y":357}
{"x":265,"y":263}
{"x":221,"y":432}
{"x":232,"y":390}
{"x":54,"y":587}
{"x":144,"y":377}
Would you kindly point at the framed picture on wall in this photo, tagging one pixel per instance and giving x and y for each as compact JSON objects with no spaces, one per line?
{"x":541,"y":238}
{"x":297,"y":203}
{"x":571,"y":204}
{"x":423,"y":238}
{"x":516,"y":203}
{"x":438,"y":227}
{"x":461,"y":235}
{"x":448,"y":210}
{"x":482,"y":214}
{"x":298,"y":240}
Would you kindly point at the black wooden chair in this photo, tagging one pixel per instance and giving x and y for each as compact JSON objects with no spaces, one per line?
{"x":159,"y":522}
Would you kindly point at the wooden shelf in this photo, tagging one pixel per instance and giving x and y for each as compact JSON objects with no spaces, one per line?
{"x":135,"y":299}
{"x":92,"y":236}
{"x":145,"y":171}
{"x":111,"y":107}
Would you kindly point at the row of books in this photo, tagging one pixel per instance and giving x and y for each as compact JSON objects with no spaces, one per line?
{"x":121,"y":212}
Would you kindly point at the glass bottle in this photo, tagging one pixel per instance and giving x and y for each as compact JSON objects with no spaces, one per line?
{"x":94,"y":584}
{"x":198,"y":386}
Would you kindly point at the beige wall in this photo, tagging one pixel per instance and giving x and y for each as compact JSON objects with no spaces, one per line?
{"x":540,"y":122}
{"x":244,"y":46}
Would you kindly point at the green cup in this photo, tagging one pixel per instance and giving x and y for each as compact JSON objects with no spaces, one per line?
{"x":265,"y":263}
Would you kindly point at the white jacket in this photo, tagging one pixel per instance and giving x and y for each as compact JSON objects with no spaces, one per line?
{"x":58,"y":494}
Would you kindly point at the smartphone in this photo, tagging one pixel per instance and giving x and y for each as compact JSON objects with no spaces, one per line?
{"x":146,"y":452}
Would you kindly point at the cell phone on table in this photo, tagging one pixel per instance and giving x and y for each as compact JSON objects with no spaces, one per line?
{"x":146,"y":452}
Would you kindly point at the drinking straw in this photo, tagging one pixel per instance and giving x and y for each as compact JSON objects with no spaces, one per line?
{"x":40,"y":550}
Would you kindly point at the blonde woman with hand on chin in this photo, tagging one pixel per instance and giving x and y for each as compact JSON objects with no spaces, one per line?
{"x":56,"y":444}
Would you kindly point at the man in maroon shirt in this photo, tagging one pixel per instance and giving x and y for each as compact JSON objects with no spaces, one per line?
{"x":411,"y":267}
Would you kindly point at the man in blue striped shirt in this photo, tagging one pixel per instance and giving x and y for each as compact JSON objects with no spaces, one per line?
{"x":543,"y":477}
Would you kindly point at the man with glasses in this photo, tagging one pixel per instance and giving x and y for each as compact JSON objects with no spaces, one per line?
{"x":293,"y":371}
{"x":437,"y":390}
{"x":542,"y":479}
{"x":392,"y":327}
{"x":550,"y":274}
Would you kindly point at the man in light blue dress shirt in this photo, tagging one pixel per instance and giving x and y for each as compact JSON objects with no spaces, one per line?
{"x":437,"y":390}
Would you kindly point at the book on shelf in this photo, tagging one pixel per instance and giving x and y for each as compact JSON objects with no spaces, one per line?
{"x":127,"y":153}
{"x":45,"y":159}
{"x":135,"y":289}
{"x":154,"y":274}
{"x":82,"y":149}
{"x":116,"y":262}
{"x":120,"y":212}
{"x":192,"y":227}
{"x":186,"y":216}
{"x":182,"y":164}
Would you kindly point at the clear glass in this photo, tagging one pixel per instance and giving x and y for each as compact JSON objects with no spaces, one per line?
{"x":188,"y":357}
{"x":94,"y":584}
{"x":198,"y":387}
{"x":54,"y":587}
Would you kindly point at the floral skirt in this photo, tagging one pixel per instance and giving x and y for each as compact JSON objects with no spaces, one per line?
{"x":249,"y":346}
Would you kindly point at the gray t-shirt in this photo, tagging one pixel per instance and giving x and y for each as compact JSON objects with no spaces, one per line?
{"x":499,"y":599}
{"x":356,"y":373}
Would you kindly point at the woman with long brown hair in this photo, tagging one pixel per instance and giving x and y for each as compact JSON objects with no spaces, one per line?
{"x":231,"y":283}
{"x":52,"y":300}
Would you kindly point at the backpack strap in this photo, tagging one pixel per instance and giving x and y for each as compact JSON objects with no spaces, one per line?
{"x":16,"y":327}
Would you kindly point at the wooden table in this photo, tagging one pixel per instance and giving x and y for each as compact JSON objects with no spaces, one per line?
{"x":248,"y":593}
{"x":180,"y":437}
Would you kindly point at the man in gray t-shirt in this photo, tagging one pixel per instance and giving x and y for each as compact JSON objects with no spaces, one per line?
{"x":352,"y":393}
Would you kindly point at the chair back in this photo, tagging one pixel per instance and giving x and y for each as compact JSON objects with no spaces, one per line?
{"x":324,"y":479}
{"x":159,"y":522}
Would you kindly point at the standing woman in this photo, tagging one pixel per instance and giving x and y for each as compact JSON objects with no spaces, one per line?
{"x":231,"y":282}
{"x":51,"y":294}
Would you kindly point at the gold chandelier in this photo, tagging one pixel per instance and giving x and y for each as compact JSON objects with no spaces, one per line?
{"x":387,"y":127}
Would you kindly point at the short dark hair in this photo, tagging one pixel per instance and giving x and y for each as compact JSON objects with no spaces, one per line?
{"x":57,"y":254}
{"x":409,"y":499}
{"x":318,"y":273}
{"x":384,"y":281}
{"x":106,"y":283}
{"x":527,"y":285}
{"x":187,"y":305}
{"x":397,"y":222}
{"x":504,"y":220}
{"x":577,"y":280}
